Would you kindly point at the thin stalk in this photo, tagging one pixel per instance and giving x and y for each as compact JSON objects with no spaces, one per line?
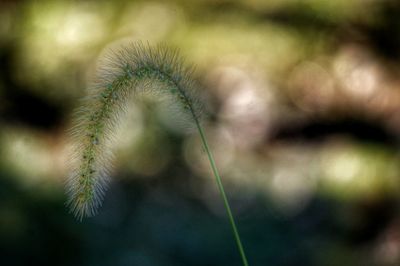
{"x":223,"y":194}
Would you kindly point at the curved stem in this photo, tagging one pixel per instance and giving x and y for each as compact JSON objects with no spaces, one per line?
{"x":222,"y":192}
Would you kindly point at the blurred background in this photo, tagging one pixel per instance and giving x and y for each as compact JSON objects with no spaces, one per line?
{"x":304,"y":97}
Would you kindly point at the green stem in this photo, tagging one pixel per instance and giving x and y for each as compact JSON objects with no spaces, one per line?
{"x":222,"y":192}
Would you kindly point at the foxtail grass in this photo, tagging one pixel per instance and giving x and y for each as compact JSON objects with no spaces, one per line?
{"x":132,"y":69}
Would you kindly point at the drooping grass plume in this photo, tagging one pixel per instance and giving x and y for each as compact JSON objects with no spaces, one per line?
{"x":135,"y":68}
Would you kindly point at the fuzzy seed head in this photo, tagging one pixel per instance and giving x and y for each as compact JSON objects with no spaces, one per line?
{"x":135,"y":68}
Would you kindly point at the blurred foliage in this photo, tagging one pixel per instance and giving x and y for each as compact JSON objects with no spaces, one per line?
{"x":304,"y":98}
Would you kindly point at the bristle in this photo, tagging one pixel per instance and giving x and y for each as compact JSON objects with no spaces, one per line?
{"x":133,"y":68}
